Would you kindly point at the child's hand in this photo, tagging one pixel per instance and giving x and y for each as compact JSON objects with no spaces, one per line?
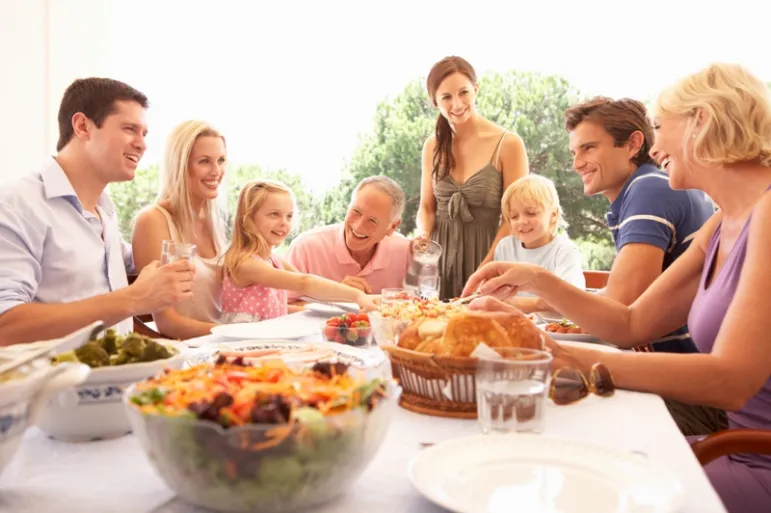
{"x":357,"y":283}
{"x":368,"y":302}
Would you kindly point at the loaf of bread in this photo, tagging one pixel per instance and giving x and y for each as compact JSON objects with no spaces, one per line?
{"x":462,"y":333}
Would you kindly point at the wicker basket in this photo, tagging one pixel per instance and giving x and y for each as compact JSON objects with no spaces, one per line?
{"x":435,"y":385}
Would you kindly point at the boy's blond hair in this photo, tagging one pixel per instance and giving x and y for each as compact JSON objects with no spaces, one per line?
{"x":534,"y":191}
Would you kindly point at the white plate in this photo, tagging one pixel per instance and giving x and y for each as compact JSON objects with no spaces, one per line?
{"x":329,"y":309}
{"x":576,"y":337}
{"x":267,"y":330}
{"x":297,"y":352}
{"x":538,"y":473}
{"x":587,"y":345}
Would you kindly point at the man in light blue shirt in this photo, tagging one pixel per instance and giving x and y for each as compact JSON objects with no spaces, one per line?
{"x":63,"y":264}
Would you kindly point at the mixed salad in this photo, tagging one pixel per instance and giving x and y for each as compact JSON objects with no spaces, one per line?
{"x":265,"y":435}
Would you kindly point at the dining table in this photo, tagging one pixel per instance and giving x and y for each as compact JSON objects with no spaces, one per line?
{"x":115,"y":475}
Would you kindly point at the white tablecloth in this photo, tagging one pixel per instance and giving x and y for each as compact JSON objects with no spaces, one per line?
{"x":115,"y":476}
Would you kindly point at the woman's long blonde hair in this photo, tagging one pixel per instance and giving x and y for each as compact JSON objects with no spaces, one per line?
{"x":246,"y":239}
{"x":174,"y":179}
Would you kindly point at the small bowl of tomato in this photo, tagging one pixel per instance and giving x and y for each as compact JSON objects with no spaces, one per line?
{"x":351,"y":328}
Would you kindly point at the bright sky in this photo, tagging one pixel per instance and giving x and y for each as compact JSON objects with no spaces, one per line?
{"x":293,"y":83}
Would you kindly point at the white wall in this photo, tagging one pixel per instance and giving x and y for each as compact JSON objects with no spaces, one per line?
{"x":45,"y":45}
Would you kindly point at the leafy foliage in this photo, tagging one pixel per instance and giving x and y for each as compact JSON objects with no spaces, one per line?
{"x":529,"y":104}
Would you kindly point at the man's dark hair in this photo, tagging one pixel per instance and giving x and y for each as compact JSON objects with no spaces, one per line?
{"x":620,"y":118}
{"x":95,"y":98}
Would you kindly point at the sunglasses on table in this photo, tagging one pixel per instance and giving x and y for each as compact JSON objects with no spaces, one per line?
{"x":569,"y":385}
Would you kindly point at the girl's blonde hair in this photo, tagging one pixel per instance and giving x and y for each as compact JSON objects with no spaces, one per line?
{"x":729,"y":111}
{"x":175,"y":183}
{"x":246,"y":239}
{"x":534,"y":191}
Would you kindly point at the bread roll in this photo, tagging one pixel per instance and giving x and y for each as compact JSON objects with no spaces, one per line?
{"x":462,"y":333}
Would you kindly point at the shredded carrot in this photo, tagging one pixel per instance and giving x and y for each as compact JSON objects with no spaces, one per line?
{"x":247,"y":388}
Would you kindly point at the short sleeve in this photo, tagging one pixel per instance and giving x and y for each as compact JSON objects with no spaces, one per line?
{"x":649,"y":214}
{"x":569,"y":265}
{"x":503,"y":251}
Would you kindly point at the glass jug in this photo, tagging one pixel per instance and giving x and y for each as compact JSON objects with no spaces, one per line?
{"x":423,"y":273}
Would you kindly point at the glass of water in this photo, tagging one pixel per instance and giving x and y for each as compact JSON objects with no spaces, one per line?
{"x":512,"y":390}
{"x":172,"y":251}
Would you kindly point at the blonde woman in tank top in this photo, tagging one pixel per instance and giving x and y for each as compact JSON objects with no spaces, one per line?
{"x":186,"y":211}
{"x":467,"y":164}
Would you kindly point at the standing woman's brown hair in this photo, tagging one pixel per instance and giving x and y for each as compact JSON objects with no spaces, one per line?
{"x":467,"y":164}
{"x":444,"y":160}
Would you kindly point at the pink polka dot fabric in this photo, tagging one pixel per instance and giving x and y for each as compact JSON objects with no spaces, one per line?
{"x":257,"y":301}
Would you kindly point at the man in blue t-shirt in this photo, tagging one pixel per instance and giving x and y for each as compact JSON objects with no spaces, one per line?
{"x":652,"y":224}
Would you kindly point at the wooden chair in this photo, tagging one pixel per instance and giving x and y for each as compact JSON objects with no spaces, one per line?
{"x":596,"y":279}
{"x":732,"y":441}
{"x":140,"y":321}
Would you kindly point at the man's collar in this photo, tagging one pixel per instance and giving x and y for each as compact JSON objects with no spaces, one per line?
{"x":57,"y":185}
{"x":344,"y":255}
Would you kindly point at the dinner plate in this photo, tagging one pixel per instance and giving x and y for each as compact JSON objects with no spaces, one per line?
{"x":293,"y":352}
{"x":529,"y":472}
{"x":577,"y":337}
{"x":590,"y":345}
{"x":267,"y":330}
{"x":329,"y":309}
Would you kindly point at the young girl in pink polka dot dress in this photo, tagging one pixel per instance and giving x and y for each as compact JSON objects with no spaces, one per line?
{"x":255,"y":281}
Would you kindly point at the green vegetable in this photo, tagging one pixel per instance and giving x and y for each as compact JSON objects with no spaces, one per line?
{"x":152,"y":396}
{"x":113,"y":349}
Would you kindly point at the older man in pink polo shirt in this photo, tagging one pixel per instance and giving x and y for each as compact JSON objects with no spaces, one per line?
{"x":364,"y":251}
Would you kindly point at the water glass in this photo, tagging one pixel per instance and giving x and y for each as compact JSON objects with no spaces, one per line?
{"x":172,"y":251}
{"x":512,"y":390}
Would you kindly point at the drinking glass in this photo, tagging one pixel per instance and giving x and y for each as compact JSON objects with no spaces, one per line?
{"x":172,"y":251}
{"x":512,"y":390}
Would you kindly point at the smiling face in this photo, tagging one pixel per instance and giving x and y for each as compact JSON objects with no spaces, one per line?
{"x":672,"y":148}
{"x":534,"y":225}
{"x":116,"y":147}
{"x":603,"y":166}
{"x":206,"y":167}
{"x":455,"y":98}
{"x":273,"y":219}
{"x":369,"y":219}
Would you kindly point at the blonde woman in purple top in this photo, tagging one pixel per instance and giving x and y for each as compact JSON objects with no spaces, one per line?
{"x":713,"y":134}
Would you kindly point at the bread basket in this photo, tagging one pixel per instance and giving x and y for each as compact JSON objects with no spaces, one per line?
{"x":441,"y":380}
{"x":444,"y":386}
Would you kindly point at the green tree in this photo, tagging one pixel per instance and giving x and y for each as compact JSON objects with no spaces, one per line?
{"x":529,"y":104}
{"x":131,"y":197}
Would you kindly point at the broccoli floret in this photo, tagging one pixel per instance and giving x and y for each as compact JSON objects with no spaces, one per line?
{"x":154,"y":351}
{"x":110,"y":342}
{"x":130,"y":351}
{"x":92,"y":354}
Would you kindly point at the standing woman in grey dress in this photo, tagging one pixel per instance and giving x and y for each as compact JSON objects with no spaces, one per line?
{"x":466,"y":166}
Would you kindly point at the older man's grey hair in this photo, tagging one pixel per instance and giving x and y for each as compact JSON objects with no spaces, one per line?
{"x":390,"y":188}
